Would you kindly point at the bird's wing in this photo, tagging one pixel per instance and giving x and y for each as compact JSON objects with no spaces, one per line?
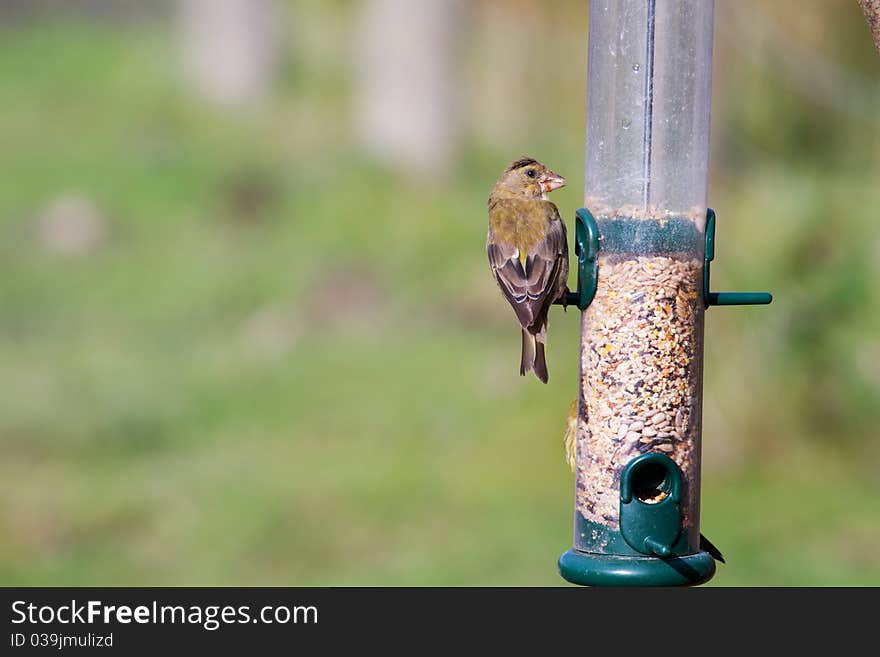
{"x":548,"y":266}
{"x":530,"y":283}
{"x":511,"y":278}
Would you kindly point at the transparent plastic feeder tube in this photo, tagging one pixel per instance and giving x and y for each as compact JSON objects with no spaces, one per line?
{"x":647,"y":148}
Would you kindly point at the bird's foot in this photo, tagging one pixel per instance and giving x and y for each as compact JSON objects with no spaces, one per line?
{"x":565,"y":299}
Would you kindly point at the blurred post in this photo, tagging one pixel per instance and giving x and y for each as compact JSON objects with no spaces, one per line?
{"x":871,"y":9}
{"x":405,"y":105}
{"x":230,"y":48}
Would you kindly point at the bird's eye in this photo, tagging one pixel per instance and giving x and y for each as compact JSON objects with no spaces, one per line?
{"x":531,"y":173}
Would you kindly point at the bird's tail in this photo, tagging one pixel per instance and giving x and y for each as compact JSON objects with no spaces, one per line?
{"x":540,"y":362}
{"x":706,"y":544}
{"x":533,"y":357}
{"x":527,"y":360}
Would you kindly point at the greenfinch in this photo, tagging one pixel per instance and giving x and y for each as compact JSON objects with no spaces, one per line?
{"x":569,"y":440}
{"x":528,"y":252}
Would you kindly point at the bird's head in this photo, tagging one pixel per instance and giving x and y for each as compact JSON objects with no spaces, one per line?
{"x":528,"y":178}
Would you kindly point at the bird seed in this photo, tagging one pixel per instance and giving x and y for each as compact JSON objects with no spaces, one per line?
{"x":641,"y":374}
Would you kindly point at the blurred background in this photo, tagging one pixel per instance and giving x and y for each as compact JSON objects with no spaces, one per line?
{"x":249,"y":335}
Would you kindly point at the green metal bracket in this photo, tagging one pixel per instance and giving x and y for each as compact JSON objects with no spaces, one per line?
{"x":651,"y":526}
{"x":586,"y":248}
{"x":725,"y":298}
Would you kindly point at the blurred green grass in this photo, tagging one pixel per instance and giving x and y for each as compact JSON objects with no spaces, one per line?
{"x":286,"y":365}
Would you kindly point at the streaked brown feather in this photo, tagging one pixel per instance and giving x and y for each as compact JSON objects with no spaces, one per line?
{"x":521,"y":162}
{"x":533,"y":227}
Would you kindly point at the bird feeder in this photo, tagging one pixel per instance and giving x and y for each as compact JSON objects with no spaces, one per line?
{"x":644,"y":241}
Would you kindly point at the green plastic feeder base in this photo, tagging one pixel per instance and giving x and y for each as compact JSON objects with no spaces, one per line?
{"x":588,"y":569}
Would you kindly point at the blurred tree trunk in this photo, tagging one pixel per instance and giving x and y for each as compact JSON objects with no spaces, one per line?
{"x":406,"y":86}
{"x":230,"y":48}
{"x":871,"y":9}
{"x":501,"y":96}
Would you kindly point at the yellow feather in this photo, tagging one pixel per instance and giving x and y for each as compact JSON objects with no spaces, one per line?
{"x":570,"y":439}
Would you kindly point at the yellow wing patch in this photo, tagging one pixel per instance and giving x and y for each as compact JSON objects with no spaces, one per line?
{"x":570,"y":439}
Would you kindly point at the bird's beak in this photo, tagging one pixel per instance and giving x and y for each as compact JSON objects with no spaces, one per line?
{"x":552,"y":181}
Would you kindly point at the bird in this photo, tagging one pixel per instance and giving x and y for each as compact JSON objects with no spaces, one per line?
{"x":569,"y":440}
{"x":570,"y":443}
{"x":714,"y":552}
{"x":527,"y":247}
